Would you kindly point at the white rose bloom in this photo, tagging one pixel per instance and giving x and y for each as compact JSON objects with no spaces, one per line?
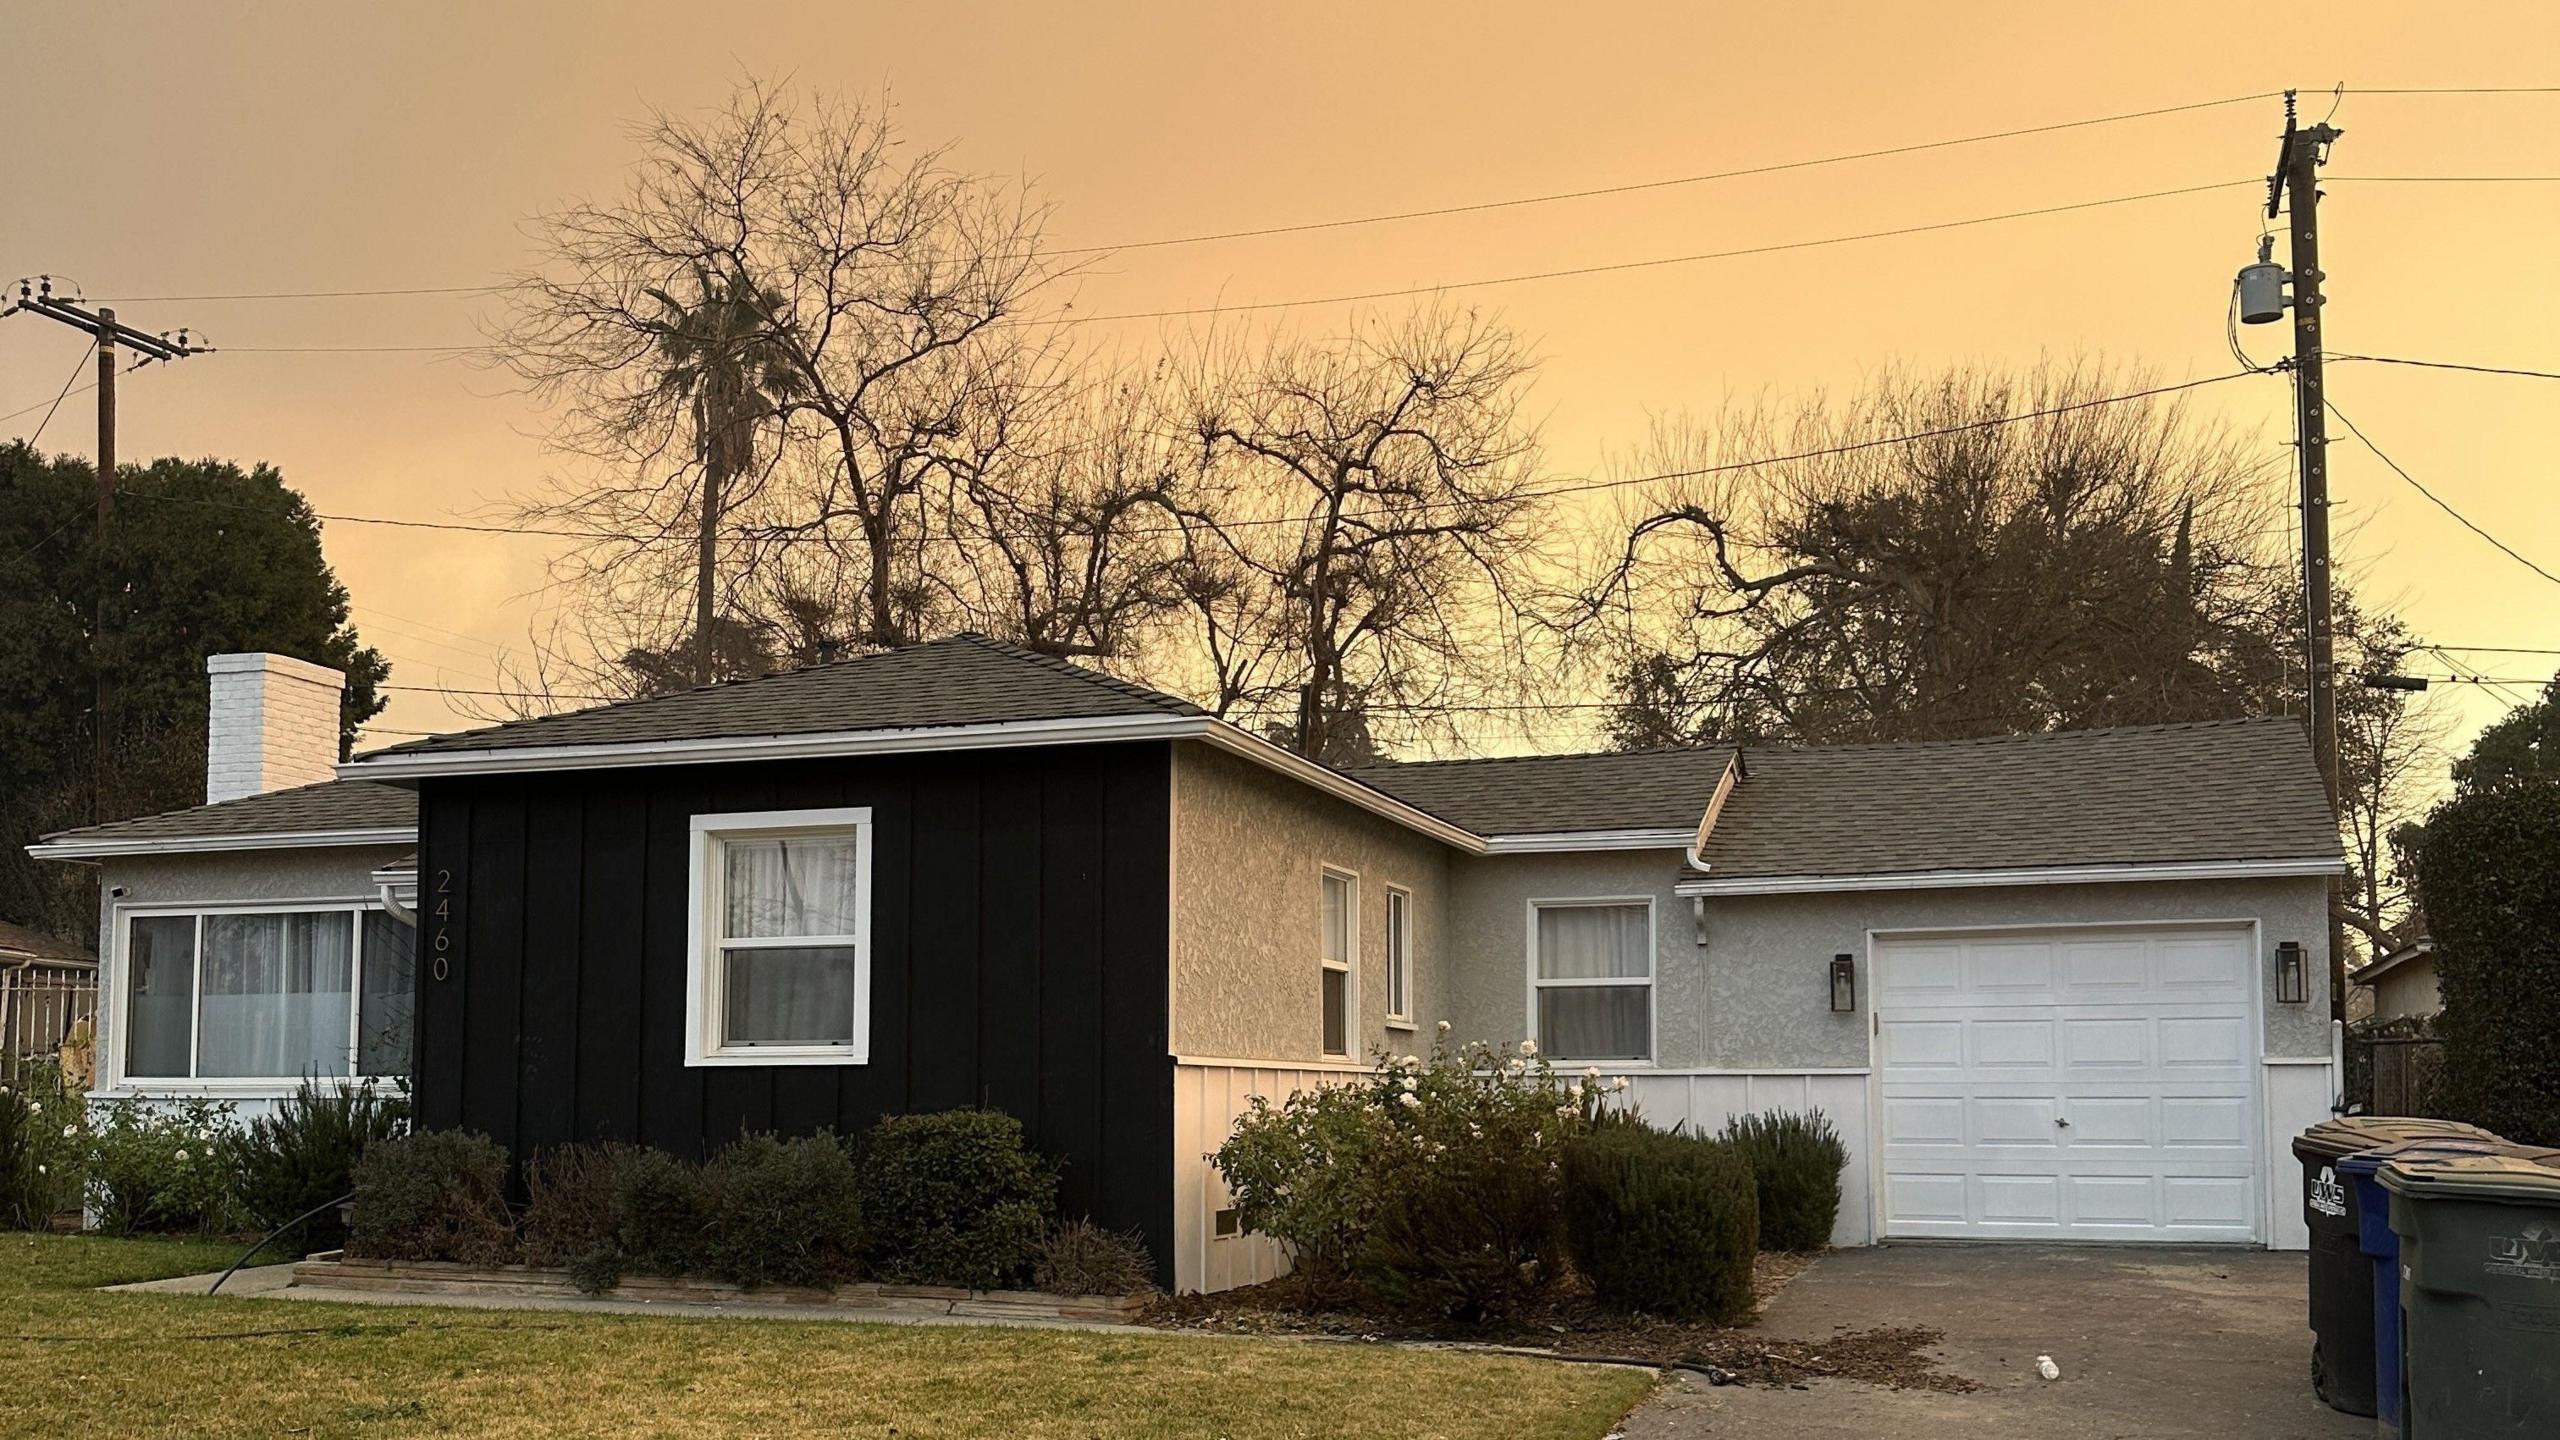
{"x":1528,"y":1047}
{"x":35,"y":1107}
{"x":1444,"y":1027}
{"x":1565,"y":1112}
{"x":1411,"y":1100}
{"x":70,"y":1130}
{"x":1574,"y":1091}
{"x":1591,"y":1072}
{"x":182,"y":1157}
{"x":42,"y":1171}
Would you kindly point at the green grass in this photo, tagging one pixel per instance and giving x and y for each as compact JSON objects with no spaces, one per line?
{"x":81,"y":1362}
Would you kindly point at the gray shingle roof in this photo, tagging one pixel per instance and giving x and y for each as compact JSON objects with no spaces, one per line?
{"x":329,"y":805}
{"x":964,"y":680}
{"x":1541,"y":794}
{"x":19,"y":944}
{"x":2216,"y":790}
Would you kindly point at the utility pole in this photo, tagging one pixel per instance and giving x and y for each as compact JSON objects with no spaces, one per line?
{"x":36,"y":297}
{"x":2294,"y":190}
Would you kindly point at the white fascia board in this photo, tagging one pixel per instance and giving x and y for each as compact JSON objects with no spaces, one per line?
{"x":107,"y":849}
{"x":1092,"y":730}
{"x":2042,"y":875}
{"x":1013,"y":734}
{"x":1262,"y":752}
{"x":1567,"y":841}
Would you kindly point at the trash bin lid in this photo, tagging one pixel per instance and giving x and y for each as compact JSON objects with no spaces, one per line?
{"x":2516,"y":1175}
{"x":2366,"y":1162}
{"x":2347,"y":1134}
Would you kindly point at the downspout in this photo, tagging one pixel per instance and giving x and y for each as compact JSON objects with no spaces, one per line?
{"x":1695,"y":854}
{"x":391,"y":904}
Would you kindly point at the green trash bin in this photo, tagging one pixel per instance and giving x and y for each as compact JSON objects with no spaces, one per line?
{"x":2340,"y":1288}
{"x":2479,"y":1293}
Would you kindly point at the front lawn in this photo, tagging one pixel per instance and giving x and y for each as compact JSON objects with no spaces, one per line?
{"x":80,"y":1362}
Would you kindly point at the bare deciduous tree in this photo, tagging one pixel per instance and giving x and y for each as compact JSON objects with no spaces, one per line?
{"x":887,"y":356}
{"x":1363,"y":535}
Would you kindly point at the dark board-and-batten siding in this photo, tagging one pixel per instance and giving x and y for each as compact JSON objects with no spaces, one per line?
{"x":1019,"y":903}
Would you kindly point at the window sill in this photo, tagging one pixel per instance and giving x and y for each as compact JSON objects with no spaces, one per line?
{"x":1399,"y":1022}
{"x":833,"y":1055}
{"x":144,"y":1088}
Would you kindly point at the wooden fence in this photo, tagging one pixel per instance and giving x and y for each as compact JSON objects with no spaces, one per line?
{"x":2396,"y":1074}
{"x":39,"y":1005}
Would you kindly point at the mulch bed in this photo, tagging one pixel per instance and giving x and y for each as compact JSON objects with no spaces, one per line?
{"x":1571,"y":1324}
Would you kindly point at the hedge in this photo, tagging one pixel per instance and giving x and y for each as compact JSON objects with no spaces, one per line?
{"x":2489,"y":874}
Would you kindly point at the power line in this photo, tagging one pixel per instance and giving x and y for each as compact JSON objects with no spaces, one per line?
{"x":2492,"y":649}
{"x":312,"y":294}
{"x":63,"y":394}
{"x":2450,"y":365}
{"x":499,"y":694}
{"x":1616,"y":267}
{"x":1574,"y":488}
{"x":2439,"y":502}
{"x":56,"y":400}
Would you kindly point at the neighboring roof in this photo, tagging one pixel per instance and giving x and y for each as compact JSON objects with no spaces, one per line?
{"x":20,"y":945}
{"x":2422,"y":948}
{"x":964,"y":680}
{"x":2155,"y":795}
{"x":333,"y":812}
{"x":1637,"y":790}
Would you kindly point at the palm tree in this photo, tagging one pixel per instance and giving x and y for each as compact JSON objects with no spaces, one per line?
{"x":722,"y":352}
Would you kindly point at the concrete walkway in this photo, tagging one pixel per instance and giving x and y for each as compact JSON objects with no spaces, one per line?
{"x":2153,"y":1343}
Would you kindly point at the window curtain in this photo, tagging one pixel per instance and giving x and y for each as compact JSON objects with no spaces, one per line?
{"x":276,"y":995}
{"x":1595,"y":1022}
{"x":779,"y":889}
{"x":386,"y":1015}
{"x":160,"y":994}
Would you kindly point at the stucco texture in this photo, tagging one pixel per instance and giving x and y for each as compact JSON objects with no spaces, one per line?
{"x":1249,"y":850}
{"x":1765,"y":958}
{"x":1489,"y":941}
{"x":1756,"y":995}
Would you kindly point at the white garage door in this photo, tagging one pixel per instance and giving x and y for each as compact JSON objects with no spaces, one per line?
{"x":2068,"y":1084}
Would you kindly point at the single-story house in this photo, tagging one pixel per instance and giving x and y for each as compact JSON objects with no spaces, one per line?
{"x":2403,"y":982}
{"x":2054,"y":987}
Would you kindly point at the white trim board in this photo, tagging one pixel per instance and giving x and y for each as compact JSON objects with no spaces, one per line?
{"x":1552,"y":842}
{"x":2029,"y":875}
{"x":103,"y":849}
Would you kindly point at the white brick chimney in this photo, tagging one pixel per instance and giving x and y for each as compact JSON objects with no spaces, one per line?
{"x":274,"y":724}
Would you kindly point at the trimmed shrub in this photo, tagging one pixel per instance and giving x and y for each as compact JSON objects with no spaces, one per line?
{"x":661,"y":1214}
{"x":954,"y":1198}
{"x":1662,"y":1222}
{"x":1796,"y":1162}
{"x":782,"y":1212}
{"x":1300,"y":1173}
{"x":2489,"y":877}
{"x":303,"y":1155}
{"x":569,"y":1213}
{"x":433,"y":1195}
{"x":155,"y":1168}
{"x":1078,"y":1257}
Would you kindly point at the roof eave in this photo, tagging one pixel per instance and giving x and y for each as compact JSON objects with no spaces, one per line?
{"x":1552,"y":842}
{"x":2012,"y":875}
{"x":397,"y":765}
{"x":103,"y":848}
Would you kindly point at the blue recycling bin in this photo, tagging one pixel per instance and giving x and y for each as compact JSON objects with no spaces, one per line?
{"x":2382,"y":1247}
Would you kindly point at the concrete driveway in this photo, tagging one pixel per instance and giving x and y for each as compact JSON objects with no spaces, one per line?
{"x":2152,"y":1343}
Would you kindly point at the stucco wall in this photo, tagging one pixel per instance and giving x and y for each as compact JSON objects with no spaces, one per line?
{"x":1756,"y":996}
{"x":1249,"y":848}
{"x":1489,"y":941}
{"x":1765,"y":991}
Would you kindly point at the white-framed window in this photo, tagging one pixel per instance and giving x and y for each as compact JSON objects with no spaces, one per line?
{"x":258,"y":996}
{"x":1337,"y":945}
{"x":1399,"y":957}
{"x":778,"y":965}
{"x":1591,"y":978}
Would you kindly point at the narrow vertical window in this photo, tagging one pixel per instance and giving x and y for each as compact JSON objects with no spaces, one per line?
{"x":1337,"y":942}
{"x":1399,"y":955}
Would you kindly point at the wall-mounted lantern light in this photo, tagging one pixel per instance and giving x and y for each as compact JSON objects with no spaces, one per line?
{"x":1844,"y":984}
{"x":2293,"y":978}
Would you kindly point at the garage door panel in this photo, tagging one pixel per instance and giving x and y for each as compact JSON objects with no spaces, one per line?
{"x":2142,"y":1041}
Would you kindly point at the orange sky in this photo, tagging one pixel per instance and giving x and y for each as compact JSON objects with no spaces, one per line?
{"x":292,"y":147}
